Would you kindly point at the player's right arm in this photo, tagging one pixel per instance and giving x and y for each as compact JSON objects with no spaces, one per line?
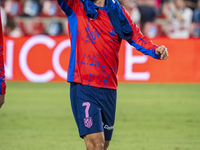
{"x":62,"y":2}
{"x":67,"y":6}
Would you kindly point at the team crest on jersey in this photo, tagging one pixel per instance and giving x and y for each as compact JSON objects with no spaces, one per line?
{"x":88,"y":122}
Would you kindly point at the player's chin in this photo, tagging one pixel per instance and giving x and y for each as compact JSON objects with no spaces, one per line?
{"x":93,"y":1}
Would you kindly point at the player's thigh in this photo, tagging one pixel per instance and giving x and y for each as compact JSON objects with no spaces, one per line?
{"x":86,"y":109}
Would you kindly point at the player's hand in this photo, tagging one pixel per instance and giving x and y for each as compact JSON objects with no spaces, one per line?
{"x":2,"y":100}
{"x":162,"y":51}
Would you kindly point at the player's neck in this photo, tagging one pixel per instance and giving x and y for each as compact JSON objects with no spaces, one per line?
{"x":100,"y":3}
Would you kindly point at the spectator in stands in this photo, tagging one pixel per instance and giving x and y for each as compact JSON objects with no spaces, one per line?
{"x":196,"y":16}
{"x":50,"y":8}
{"x":13,"y":7}
{"x":179,"y":19}
{"x":147,"y":10}
{"x":55,"y":28}
{"x":165,"y":7}
{"x":3,"y":17}
{"x":191,"y":4}
{"x":158,"y":4}
{"x":11,"y":29}
{"x":32,"y":8}
{"x":135,"y":13}
{"x":131,"y":7}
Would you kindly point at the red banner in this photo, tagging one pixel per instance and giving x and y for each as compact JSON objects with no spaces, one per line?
{"x":43,"y":58}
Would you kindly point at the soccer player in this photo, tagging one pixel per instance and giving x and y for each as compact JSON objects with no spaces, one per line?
{"x":2,"y":76}
{"x":96,"y":31}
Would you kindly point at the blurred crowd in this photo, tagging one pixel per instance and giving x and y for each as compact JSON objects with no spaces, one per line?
{"x":172,"y":18}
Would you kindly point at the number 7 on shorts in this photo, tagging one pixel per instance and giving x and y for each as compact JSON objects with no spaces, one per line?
{"x":87,"y":120}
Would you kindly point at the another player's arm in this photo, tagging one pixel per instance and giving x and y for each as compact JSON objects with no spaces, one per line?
{"x":2,"y":84}
{"x":2,"y":100}
{"x":2,"y":81}
{"x":2,"y":73}
{"x":144,"y":44}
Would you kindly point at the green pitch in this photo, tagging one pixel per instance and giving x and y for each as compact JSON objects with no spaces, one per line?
{"x":37,"y":116}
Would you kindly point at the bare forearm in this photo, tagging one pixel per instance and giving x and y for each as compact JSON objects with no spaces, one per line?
{"x":176,"y":12}
{"x":178,"y":15}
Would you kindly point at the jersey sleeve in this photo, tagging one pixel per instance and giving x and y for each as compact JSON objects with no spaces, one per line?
{"x":2,"y":73}
{"x":67,"y":5}
{"x":141,"y":42}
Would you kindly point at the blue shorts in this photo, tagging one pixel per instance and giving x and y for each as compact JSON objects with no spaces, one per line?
{"x":93,"y":109}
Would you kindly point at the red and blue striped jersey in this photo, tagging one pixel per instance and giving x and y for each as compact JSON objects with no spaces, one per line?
{"x":2,"y":74}
{"x":95,"y":46}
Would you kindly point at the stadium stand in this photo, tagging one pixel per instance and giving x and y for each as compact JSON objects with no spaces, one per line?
{"x":152,"y":29}
{"x":195,"y":30}
{"x":45,"y":16}
{"x":13,"y":8}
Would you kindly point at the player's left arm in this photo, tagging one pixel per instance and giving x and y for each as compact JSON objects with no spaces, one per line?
{"x":143,"y":44}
